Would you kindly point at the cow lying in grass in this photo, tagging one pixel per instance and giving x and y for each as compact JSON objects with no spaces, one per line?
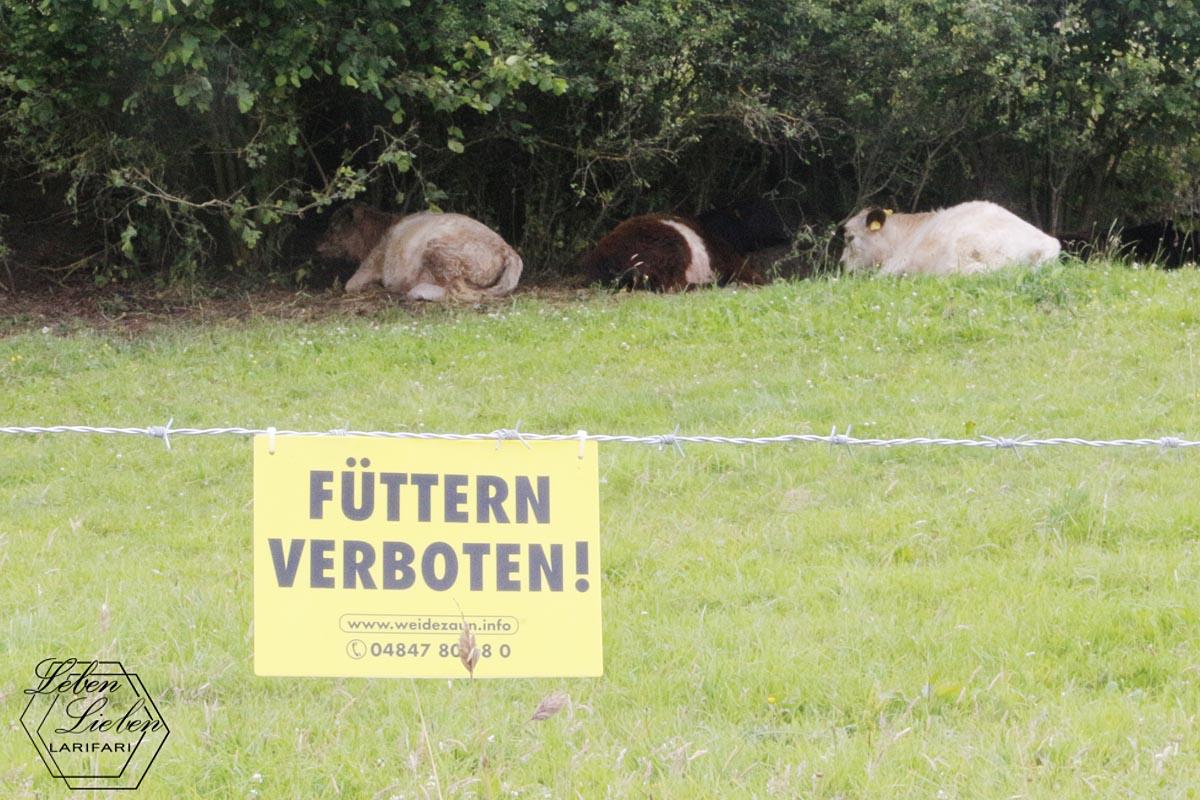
{"x":752,"y":225}
{"x":968,"y":238}
{"x":1163,"y":243}
{"x":665,"y":253}
{"x":424,"y":256}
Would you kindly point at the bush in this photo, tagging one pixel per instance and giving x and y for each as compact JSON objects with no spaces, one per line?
{"x":194,"y":136}
{"x":192,"y":130}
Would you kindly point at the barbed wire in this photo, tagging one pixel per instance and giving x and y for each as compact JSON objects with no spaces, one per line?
{"x":674,"y":440}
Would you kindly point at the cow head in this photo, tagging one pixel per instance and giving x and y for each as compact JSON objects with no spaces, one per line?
{"x":353,"y":232}
{"x":865,"y":238}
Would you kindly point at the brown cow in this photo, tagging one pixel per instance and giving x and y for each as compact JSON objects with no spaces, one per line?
{"x":424,"y":256}
{"x":666,"y":253}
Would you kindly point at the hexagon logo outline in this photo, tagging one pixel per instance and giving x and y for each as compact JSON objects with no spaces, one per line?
{"x":61,"y":690}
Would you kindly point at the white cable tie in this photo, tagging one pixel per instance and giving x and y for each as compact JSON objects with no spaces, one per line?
{"x":271,"y":440}
{"x":582,"y":434}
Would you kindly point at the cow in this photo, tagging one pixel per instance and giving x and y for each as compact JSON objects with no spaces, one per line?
{"x":423,"y":256}
{"x":665,"y":253}
{"x":1163,"y":242}
{"x":968,"y":238}
{"x":751,"y":225}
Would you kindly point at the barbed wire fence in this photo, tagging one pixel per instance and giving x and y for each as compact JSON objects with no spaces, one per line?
{"x":674,"y":440}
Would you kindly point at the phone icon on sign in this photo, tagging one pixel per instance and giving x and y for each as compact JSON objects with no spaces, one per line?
{"x":356,"y":648}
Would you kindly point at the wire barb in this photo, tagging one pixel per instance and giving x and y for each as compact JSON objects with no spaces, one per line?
{"x":669,"y":440}
{"x":514,"y":432}
{"x":1004,"y":442}
{"x":161,"y":432}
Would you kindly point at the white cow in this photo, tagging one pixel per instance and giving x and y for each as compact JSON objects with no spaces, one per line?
{"x":967,"y":238}
{"x":423,"y":256}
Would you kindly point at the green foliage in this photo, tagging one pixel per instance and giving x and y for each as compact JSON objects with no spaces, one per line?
{"x":201,"y":133}
{"x":193,"y":128}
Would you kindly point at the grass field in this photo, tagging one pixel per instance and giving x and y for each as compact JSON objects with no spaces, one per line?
{"x":792,"y":621}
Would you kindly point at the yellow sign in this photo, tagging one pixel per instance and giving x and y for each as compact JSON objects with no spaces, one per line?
{"x":371,"y":555}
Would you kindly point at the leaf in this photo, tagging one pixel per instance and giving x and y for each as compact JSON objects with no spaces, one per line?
{"x":187,"y":47}
{"x":455,"y":146}
{"x":127,"y":236}
{"x":551,"y":704}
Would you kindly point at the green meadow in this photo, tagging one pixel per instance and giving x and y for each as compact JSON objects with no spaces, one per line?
{"x":793,"y":621}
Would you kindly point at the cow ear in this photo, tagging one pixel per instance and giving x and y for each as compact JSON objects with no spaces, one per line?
{"x":358,"y":209}
{"x":875,"y":219}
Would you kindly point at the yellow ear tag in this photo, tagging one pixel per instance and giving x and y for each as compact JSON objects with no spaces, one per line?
{"x":888,"y":211}
{"x":874,"y":226}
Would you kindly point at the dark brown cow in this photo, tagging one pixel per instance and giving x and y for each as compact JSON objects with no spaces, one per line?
{"x":665,"y":253}
{"x":751,"y":225}
{"x":1163,"y":243}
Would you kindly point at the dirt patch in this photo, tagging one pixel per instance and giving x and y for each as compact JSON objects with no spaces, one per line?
{"x":131,"y":311}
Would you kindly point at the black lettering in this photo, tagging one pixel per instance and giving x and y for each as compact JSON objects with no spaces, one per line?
{"x":397,"y":565}
{"x":318,"y":495}
{"x":357,"y":558}
{"x":428,"y":570}
{"x":538,"y":503}
{"x":320,"y":563}
{"x":475,"y":551}
{"x":455,"y":498}
{"x":506,"y":566}
{"x":393,"y":481}
{"x":367,"y":506}
{"x":424,"y":482}
{"x":539,"y":567}
{"x":490,"y":492}
{"x":581,"y":566}
{"x":80,"y":713}
{"x":48,"y":669}
{"x":285,"y":569}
